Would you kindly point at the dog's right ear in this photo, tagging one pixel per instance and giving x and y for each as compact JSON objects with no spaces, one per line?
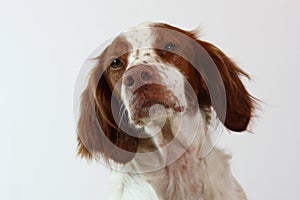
{"x":98,"y":134}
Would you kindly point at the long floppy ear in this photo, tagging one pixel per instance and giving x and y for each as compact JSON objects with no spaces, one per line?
{"x":98,"y":133}
{"x":239,"y":103}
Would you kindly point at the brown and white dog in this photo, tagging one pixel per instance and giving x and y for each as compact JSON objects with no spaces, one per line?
{"x":147,"y":109}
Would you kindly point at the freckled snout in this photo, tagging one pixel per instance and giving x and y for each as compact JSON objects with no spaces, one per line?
{"x":138,"y":76}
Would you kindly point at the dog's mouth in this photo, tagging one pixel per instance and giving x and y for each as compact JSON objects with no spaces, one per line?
{"x":145,"y":99}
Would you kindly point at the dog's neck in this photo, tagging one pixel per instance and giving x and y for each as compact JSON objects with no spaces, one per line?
{"x":177,"y":133}
{"x":176,"y":169}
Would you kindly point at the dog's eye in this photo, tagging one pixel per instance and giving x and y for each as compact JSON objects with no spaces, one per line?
{"x":116,"y":63}
{"x":169,"y":47}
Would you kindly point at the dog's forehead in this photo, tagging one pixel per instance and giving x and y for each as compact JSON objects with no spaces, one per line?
{"x":141,"y":40}
{"x":139,"y":37}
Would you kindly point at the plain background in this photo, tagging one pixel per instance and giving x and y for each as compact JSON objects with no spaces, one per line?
{"x":43,"y":45}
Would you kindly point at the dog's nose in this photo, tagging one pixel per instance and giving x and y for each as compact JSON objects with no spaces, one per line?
{"x":137,"y":76}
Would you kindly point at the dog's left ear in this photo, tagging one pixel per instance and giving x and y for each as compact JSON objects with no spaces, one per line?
{"x":239,"y":103}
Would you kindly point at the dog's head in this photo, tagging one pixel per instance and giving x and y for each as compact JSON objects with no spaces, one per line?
{"x":150,"y":72}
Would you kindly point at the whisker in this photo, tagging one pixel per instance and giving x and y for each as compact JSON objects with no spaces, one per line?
{"x":121,"y":114}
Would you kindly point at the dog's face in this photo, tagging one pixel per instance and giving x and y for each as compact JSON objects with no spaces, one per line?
{"x":152,"y":73}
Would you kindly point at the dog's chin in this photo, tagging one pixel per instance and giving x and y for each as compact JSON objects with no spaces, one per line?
{"x":153,"y":112}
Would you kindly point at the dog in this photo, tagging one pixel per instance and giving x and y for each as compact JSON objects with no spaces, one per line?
{"x":155,"y":95}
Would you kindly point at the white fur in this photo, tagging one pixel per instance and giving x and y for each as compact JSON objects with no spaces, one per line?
{"x":141,"y":40}
{"x":208,"y":178}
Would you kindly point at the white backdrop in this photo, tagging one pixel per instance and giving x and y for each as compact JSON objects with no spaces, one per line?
{"x":44,"y":43}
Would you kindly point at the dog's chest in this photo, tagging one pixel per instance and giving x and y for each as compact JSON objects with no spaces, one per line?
{"x":179,"y":180}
